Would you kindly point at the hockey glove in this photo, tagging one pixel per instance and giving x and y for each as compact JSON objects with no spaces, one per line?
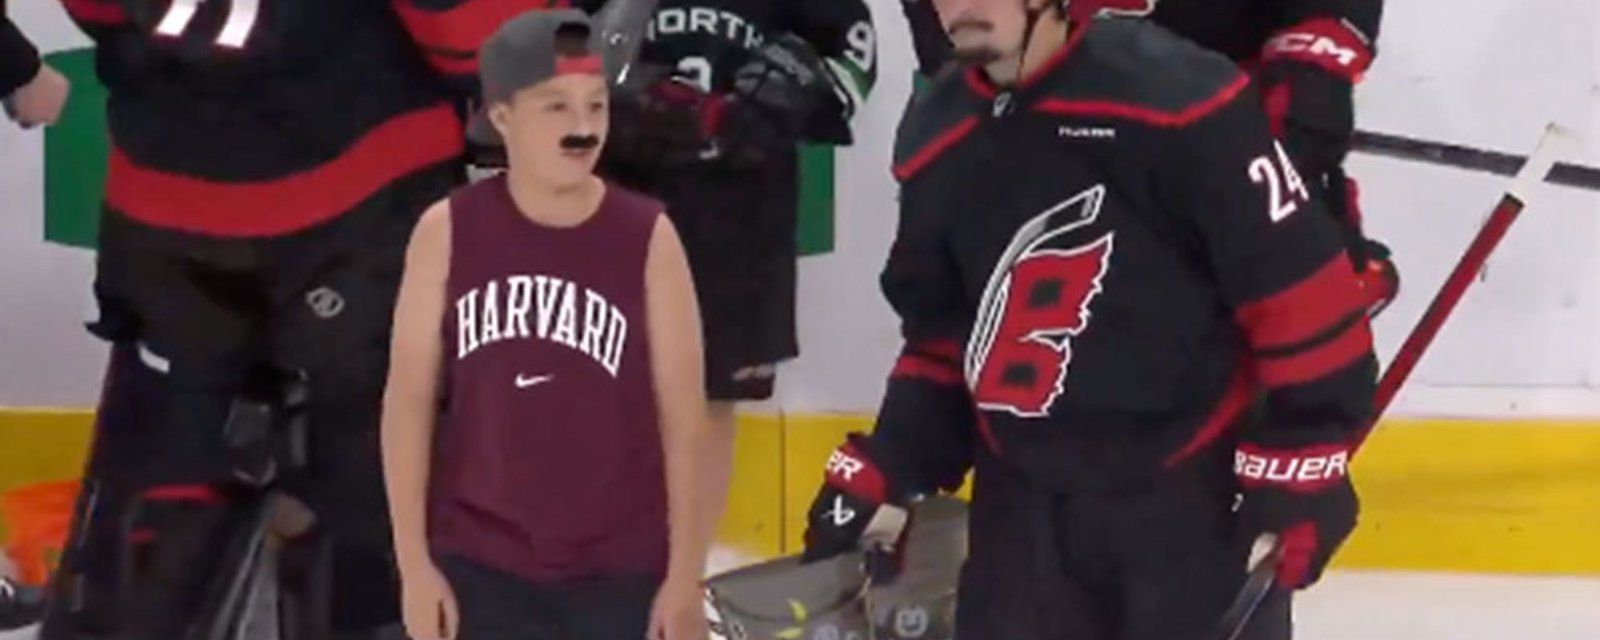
{"x":1378,"y":277}
{"x":661,"y":117}
{"x":1308,"y":77}
{"x":1375,"y":269}
{"x":1296,"y":484}
{"x":778,"y":90}
{"x":859,"y":506}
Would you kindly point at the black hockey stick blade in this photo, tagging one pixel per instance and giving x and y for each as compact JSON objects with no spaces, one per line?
{"x":1469,"y":158}
{"x":1260,"y":582}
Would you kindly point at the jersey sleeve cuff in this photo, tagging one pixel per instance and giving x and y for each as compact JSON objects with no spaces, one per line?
{"x":19,"y":60}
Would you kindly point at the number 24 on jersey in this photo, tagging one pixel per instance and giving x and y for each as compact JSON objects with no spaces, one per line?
{"x":1284,"y":188}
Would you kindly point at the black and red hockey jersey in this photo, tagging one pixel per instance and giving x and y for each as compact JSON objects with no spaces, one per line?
{"x":262,"y":117}
{"x":1336,"y":32}
{"x":1109,"y":264}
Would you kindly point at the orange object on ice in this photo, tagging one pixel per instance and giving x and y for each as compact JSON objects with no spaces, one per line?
{"x":38,"y":517}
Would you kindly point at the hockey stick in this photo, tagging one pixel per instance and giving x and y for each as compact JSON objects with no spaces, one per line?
{"x":227,"y":601}
{"x":1472,"y":159}
{"x":1264,"y":558}
{"x":622,"y":28}
{"x":1444,"y":302}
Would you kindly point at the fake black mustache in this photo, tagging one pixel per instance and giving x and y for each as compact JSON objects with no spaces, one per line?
{"x":579,"y":143}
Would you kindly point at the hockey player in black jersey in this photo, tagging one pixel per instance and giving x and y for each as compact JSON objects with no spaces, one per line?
{"x":1307,"y":56}
{"x":1124,"y":313}
{"x":267,"y":162}
{"x":728,"y":90}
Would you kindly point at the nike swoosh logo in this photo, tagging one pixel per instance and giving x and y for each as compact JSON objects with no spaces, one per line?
{"x":524,"y":382}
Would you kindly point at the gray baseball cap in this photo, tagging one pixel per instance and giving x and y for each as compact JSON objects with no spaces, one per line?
{"x":523,"y":53}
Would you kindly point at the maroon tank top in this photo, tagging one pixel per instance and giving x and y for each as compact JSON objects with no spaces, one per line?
{"x":548,"y":462}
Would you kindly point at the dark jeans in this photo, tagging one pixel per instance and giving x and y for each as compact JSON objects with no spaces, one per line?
{"x":496,"y":605}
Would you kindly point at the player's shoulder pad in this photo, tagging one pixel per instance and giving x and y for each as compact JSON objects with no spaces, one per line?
{"x":1136,"y":69}
{"x":938,"y":111}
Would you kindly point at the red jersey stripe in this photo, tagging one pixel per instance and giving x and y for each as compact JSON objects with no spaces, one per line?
{"x":449,"y":64}
{"x":1307,"y":308}
{"x":400,"y":146}
{"x":464,"y":27}
{"x":1234,"y":401}
{"x":1317,"y":361}
{"x":104,"y":12}
{"x":928,"y":154}
{"x":928,"y":369}
{"x":947,"y":349}
{"x":1146,"y":115}
{"x":183,"y":493}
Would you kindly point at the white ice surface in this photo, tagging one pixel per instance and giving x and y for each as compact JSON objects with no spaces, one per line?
{"x":1412,"y":606}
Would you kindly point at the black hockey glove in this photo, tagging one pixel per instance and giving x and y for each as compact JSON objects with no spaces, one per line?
{"x":1296,"y":484}
{"x":1312,"y":112}
{"x":860,"y":506}
{"x":776,"y":93}
{"x":1307,"y":80}
{"x":661,"y":118}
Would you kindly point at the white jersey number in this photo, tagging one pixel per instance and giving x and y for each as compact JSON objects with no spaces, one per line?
{"x":863,"y":46}
{"x":698,"y":71}
{"x":241,"y":20}
{"x":1277,"y":173}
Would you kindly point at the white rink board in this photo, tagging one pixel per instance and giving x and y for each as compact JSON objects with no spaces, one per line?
{"x":1522,"y":344}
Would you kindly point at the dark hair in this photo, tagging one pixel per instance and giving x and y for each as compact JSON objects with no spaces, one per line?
{"x":572,"y":40}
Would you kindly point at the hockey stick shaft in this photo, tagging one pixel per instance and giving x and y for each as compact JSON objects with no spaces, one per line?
{"x":1258,"y":583}
{"x":1471,"y":159}
{"x":1472,"y":260}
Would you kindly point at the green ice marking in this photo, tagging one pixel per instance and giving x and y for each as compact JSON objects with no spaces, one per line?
{"x":75,"y":151}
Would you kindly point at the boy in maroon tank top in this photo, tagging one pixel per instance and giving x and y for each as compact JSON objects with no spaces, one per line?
{"x":555,"y":316}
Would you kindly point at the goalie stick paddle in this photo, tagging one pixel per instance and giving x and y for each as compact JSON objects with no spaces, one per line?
{"x":1511,"y":204}
{"x":1469,"y":158}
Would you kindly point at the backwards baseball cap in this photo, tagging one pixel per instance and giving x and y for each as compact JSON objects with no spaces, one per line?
{"x":529,"y":49}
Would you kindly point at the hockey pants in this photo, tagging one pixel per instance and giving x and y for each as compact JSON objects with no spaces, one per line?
{"x":1158,"y":562}
{"x":209,"y":334}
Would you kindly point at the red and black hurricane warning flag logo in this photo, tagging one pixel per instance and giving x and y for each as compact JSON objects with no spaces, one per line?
{"x":1037,"y":300}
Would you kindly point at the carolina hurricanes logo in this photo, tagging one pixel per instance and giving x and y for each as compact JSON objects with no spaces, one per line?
{"x":1036,"y":301}
{"x":1125,"y":7}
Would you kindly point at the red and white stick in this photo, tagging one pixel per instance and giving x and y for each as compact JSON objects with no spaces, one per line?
{"x":1494,"y":229}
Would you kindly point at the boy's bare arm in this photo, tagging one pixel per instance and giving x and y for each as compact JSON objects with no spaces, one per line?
{"x":410,"y":396}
